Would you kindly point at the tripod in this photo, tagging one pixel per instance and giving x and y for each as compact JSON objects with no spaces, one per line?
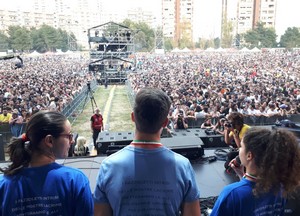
{"x":89,"y":94}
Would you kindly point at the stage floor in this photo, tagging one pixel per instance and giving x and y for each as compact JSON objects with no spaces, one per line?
{"x":211,"y":177}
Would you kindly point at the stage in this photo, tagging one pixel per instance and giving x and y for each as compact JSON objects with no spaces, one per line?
{"x":211,"y":176}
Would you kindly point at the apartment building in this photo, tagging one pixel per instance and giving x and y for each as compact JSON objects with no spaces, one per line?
{"x":177,"y":18}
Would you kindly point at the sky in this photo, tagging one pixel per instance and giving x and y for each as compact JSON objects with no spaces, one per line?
{"x":207,"y":12}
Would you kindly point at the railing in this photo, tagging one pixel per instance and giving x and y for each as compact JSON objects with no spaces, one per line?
{"x":69,"y":111}
{"x":250,"y":120}
{"x":130,"y":93}
{"x":72,"y":110}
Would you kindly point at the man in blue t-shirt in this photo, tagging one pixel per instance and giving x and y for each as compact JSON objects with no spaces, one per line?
{"x":146,"y":178}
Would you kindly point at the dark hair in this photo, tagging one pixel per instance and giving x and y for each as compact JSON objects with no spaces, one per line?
{"x":277,"y":157}
{"x":40,"y":125}
{"x":236,"y":118}
{"x":151,"y":109}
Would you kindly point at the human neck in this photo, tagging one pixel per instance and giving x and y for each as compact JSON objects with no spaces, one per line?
{"x":147,"y":137}
{"x":40,"y":160}
{"x":250,"y":173}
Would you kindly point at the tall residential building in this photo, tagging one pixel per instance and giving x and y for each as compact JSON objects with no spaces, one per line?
{"x":177,"y":18}
{"x":140,"y":15}
{"x":250,"y":12}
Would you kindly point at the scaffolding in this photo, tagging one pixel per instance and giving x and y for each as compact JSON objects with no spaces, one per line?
{"x":111,"y":51}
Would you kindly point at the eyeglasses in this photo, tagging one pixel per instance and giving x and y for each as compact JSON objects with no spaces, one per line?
{"x":69,"y":136}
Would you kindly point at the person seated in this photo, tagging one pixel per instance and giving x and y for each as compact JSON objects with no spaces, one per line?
{"x":207,"y":124}
{"x":81,"y":149}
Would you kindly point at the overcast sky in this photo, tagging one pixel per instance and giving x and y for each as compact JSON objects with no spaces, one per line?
{"x":207,"y":12}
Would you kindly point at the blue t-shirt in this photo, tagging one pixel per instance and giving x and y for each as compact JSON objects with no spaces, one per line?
{"x":237,"y":199}
{"x":137,"y":181}
{"x":52,"y":189}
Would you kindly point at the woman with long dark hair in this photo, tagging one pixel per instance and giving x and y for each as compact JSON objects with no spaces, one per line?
{"x":271,"y":160}
{"x":34,"y":184}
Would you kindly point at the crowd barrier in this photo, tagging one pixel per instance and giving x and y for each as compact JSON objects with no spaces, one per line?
{"x":69,"y":110}
{"x":250,"y":120}
{"x":6,"y":132}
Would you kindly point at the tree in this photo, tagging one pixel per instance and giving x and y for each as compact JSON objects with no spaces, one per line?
{"x":290,"y":38}
{"x":4,"y":42}
{"x":19,"y":38}
{"x":261,"y":37}
{"x":185,"y":39}
{"x":144,"y":36}
{"x":38,"y":41}
{"x":62,"y":39}
{"x":50,"y":36}
{"x":206,"y":43}
{"x":227,"y":37}
{"x":169,"y":44}
{"x":217,"y":42}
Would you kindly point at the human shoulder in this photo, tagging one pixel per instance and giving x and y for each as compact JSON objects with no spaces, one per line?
{"x":237,"y":188}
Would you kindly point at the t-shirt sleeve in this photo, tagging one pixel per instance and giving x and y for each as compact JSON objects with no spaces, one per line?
{"x":99,"y":193}
{"x":192,"y":191}
{"x":224,"y":204}
{"x":84,"y":203}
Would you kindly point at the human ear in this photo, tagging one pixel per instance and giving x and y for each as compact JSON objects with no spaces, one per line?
{"x":49,"y":141}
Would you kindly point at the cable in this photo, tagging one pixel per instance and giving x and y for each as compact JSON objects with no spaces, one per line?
{"x":207,"y":204}
{"x":221,"y":154}
{"x":204,"y":160}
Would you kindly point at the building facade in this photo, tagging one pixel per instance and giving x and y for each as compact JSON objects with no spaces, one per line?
{"x":177,"y":18}
{"x":250,"y":12}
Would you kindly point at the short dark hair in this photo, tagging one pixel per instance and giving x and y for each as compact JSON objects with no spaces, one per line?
{"x":151,"y":109}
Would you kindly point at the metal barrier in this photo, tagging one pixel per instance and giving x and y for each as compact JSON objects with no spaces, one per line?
{"x":130,"y":93}
{"x":250,"y":120}
{"x":70,"y":109}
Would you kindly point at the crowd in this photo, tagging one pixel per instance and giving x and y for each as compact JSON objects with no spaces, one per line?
{"x":215,"y":84}
{"x":152,"y":180}
{"x":44,"y":82}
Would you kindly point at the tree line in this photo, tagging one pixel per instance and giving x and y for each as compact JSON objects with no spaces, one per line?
{"x":47,"y":38}
{"x":43,"y":39}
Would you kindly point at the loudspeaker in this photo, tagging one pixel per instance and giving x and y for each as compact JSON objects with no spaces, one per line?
{"x":106,"y":139}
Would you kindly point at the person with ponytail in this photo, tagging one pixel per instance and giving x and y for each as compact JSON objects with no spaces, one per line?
{"x":269,"y":172}
{"x":33,"y":183}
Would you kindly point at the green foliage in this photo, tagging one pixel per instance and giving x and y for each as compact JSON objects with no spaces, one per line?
{"x":291,"y":38}
{"x":168,"y":44}
{"x":144,"y":37}
{"x":227,"y":37}
{"x":217,"y":42}
{"x":4,"y":42}
{"x":185,"y":39}
{"x":19,"y":38}
{"x":261,"y":37}
{"x":205,"y":43}
{"x":44,"y":39}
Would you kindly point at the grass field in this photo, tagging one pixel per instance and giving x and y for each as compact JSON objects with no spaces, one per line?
{"x":118,"y":113}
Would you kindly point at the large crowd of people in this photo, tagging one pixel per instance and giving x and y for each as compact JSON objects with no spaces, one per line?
{"x":200,"y":85}
{"x":44,"y":82}
{"x":217,"y":83}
